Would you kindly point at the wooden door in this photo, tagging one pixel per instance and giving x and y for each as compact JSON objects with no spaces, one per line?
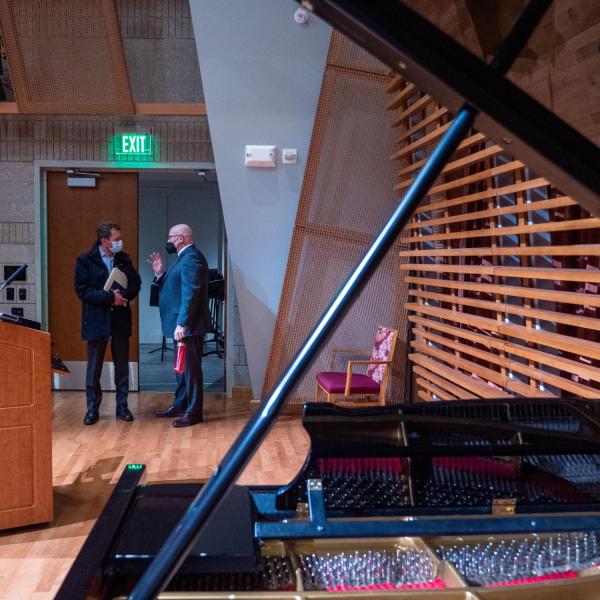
{"x":73,"y":215}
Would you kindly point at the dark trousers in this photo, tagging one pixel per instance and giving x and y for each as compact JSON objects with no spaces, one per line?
{"x":189,"y":393}
{"x":96,"y":349}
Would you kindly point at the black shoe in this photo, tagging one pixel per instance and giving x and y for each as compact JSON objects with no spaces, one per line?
{"x":91,"y":416}
{"x":187,"y":420}
{"x":124,"y":414}
{"x":168,"y":413}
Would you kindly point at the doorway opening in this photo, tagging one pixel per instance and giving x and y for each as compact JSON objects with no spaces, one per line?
{"x":146,"y":203}
{"x":166,"y":199}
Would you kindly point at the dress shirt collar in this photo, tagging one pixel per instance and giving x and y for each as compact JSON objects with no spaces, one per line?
{"x":106,"y":259}
{"x":182,"y":249}
{"x":103,"y":254}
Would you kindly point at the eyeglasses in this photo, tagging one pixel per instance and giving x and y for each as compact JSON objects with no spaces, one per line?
{"x":174,"y":235}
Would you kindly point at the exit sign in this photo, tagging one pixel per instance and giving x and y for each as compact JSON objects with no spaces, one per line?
{"x":133,"y":144}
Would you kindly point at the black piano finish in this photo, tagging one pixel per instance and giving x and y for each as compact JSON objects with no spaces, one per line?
{"x":427,"y":460}
{"x":226,"y":543}
{"x":452,"y":457}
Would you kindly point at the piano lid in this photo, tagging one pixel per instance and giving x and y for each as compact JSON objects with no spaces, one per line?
{"x":443,"y":68}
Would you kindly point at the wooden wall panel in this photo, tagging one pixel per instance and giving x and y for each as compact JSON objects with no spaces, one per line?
{"x":66,"y":57}
{"x":503,"y":269}
{"x":346,"y":198}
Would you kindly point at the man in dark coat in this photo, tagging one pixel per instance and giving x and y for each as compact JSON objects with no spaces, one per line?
{"x":184,"y":314}
{"x":106,"y":316}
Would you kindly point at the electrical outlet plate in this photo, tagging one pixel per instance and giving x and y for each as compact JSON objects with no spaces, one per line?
{"x":289,"y":156}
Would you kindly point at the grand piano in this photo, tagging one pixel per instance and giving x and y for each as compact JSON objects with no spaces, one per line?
{"x":465,"y":500}
{"x":459,"y":499}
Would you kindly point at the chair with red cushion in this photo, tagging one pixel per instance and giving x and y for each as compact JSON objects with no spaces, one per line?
{"x":373,"y":383}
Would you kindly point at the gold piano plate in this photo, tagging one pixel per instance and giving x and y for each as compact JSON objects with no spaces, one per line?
{"x":584,"y":586}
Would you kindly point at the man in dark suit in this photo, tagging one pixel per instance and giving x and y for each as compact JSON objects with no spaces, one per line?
{"x":184,"y":314}
{"x":106,"y":316}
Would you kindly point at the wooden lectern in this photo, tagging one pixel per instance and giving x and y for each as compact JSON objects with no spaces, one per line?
{"x":25,"y":427}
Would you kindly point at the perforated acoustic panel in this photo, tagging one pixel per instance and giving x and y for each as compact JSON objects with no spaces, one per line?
{"x":66,"y":56}
{"x":346,"y":198}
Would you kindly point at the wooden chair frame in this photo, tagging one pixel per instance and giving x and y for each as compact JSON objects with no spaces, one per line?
{"x":349,"y":367}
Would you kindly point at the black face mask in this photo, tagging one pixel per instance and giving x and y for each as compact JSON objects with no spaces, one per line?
{"x":170,"y":248}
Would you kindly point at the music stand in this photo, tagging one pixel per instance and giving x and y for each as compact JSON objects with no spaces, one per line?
{"x":216,"y":297}
{"x":162,"y":348}
{"x":154,"y":292}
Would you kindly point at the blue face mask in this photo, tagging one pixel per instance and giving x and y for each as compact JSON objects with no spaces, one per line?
{"x":116,"y":246}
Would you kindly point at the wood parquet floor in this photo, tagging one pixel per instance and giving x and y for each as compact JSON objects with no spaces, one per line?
{"x":87,"y":461}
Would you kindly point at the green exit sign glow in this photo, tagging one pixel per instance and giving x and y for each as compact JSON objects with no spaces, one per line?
{"x":133,"y":144}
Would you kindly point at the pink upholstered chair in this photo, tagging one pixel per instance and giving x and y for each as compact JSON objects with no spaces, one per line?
{"x":374,"y":383}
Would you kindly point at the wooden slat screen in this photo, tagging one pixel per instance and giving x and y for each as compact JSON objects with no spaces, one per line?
{"x":503,"y":269}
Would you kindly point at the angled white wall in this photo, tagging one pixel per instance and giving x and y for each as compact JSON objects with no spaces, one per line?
{"x":261,"y":74}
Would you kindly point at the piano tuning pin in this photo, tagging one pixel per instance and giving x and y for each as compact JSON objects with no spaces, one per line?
{"x":533,"y":558}
{"x":375,"y":570}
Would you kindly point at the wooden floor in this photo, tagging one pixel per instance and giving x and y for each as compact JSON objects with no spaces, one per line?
{"x":88,"y":460}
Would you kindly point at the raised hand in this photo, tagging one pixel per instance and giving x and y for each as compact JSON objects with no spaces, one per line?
{"x":155,"y":261}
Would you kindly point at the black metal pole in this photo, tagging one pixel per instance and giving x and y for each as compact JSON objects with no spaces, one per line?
{"x":183,"y":538}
